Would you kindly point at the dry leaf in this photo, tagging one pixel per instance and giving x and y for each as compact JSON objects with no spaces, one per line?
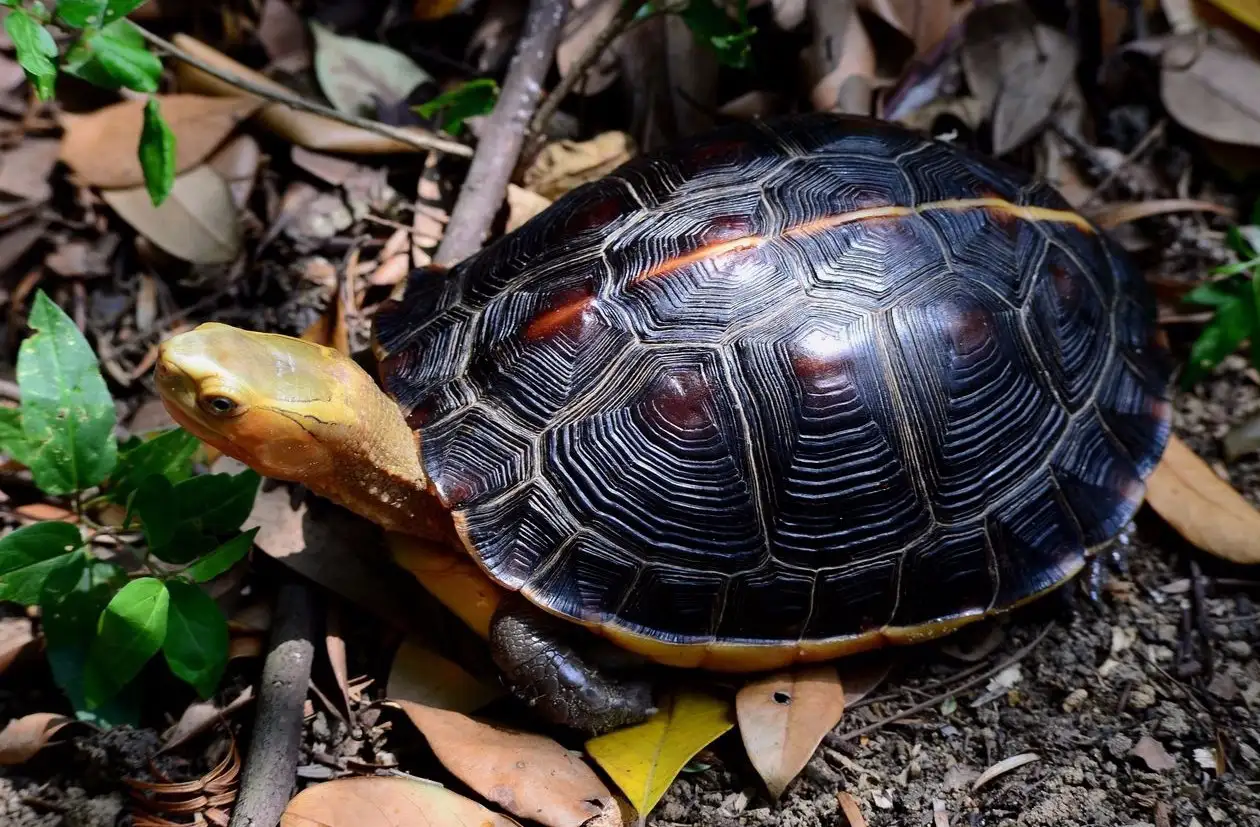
{"x":283,"y":35}
{"x":421,"y":675}
{"x":925,"y":22}
{"x":862,"y":675}
{"x":15,"y":636}
{"x":1017,"y":67}
{"x":1245,"y":11}
{"x":391,"y":271}
{"x":523,"y":205}
{"x":528,"y":775}
{"x":1004,"y":766}
{"x":1123,"y":212}
{"x":783,"y":717}
{"x":237,"y":162}
{"x":585,"y":21}
{"x":852,"y":812}
{"x":335,"y":646}
{"x":357,"y":75}
{"x":564,"y":165}
{"x":197,"y":222}
{"x":1208,"y":84}
{"x":842,"y":51}
{"x":1153,"y":754}
{"x":26,"y":168}
{"x":18,"y":241}
{"x":1202,"y":507}
{"x":386,"y":802}
{"x":302,"y":128}
{"x":644,"y":759}
{"x":199,"y":717}
{"x":25,"y":736}
{"x":200,"y":124}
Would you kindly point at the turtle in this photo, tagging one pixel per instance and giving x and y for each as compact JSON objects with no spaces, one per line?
{"x":786,"y":391}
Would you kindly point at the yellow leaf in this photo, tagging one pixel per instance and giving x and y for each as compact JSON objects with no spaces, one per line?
{"x":1245,"y":11}
{"x":784,"y":716}
{"x":1202,"y":507}
{"x":644,"y":760}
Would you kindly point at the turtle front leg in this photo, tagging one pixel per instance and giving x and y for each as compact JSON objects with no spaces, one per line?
{"x":542,"y":669}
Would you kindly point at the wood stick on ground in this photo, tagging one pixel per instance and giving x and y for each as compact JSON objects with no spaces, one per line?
{"x":405,"y":136}
{"x":497,"y":153}
{"x":271,"y":768}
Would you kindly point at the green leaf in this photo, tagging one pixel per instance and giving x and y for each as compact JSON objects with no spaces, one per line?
{"x":12,"y":439}
{"x":29,"y":554}
{"x":157,"y":153}
{"x":184,"y":521}
{"x":710,"y":24}
{"x":222,"y":558}
{"x":74,"y":596}
{"x":476,"y":97}
{"x":1235,"y":240}
{"x":92,"y":14}
{"x":1235,"y":268}
{"x":67,"y":414}
{"x":1215,"y":293}
{"x":130,"y":631}
{"x":115,"y":57}
{"x":1234,"y":321}
{"x":35,"y":50}
{"x":196,"y":645}
{"x":168,"y":454}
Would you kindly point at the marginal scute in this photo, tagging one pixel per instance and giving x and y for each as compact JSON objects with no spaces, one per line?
{"x":790,"y":388}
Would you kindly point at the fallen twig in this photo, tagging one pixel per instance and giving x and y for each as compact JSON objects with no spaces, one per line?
{"x":408,"y":137}
{"x":271,"y":768}
{"x":833,"y":739}
{"x":486,"y":183}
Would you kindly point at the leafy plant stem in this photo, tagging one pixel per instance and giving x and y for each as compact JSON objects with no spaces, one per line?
{"x":412,"y":138}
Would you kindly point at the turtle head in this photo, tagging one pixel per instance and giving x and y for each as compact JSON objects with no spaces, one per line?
{"x":294,"y":410}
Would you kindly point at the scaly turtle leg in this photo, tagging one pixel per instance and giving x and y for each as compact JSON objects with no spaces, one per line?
{"x":544,"y":670}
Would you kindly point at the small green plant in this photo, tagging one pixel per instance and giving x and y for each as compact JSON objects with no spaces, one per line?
{"x":710,"y":23}
{"x":1235,"y":295}
{"x":468,"y":100}
{"x":101,"y":623}
{"x":109,"y":52}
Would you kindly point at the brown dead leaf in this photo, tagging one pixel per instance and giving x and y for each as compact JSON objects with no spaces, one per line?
{"x":25,"y":736}
{"x":18,"y":241}
{"x":852,"y":812}
{"x":783,"y":717}
{"x":15,"y":636}
{"x":925,"y":22}
{"x":200,"y":124}
{"x":843,"y":57}
{"x":1116,"y":213}
{"x":421,"y":675}
{"x":386,"y":802}
{"x":197,"y":222}
{"x":564,"y":165}
{"x":303,"y":128}
{"x":79,"y":259}
{"x":246,"y":645}
{"x":1208,"y":84}
{"x":528,"y":775}
{"x":1017,"y":67}
{"x":863,"y":675}
{"x":200,"y":717}
{"x":335,"y":645}
{"x":1203,"y":508}
{"x":26,"y":168}
{"x":1004,"y":766}
{"x":523,"y":205}
{"x":585,"y":21}
{"x":1153,"y":754}
{"x":284,"y":37}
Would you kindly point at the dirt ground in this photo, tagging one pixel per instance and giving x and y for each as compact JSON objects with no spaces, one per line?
{"x":1105,"y":677}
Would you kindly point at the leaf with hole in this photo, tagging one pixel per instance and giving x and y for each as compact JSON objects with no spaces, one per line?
{"x":130,"y":631}
{"x":29,"y":554}
{"x":67,"y":413}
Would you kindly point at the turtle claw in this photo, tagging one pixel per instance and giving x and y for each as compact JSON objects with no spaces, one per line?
{"x":1114,"y":559}
{"x":546,"y":673}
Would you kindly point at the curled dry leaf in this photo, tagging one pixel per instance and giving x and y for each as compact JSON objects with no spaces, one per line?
{"x":584,"y":23}
{"x":197,"y":222}
{"x":925,"y":22}
{"x":564,"y":165}
{"x":852,"y":812}
{"x":783,"y":717}
{"x":283,"y":35}
{"x":861,"y":675}
{"x":1202,"y":507}
{"x":1122,"y":212}
{"x":15,"y":636}
{"x":199,"y":717}
{"x":645,"y":759}
{"x":25,"y":736}
{"x":237,"y":163}
{"x":523,"y":205}
{"x":421,"y":675}
{"x":528,"y":775}
{"x":1018,"y":67}
{"x":1153,"y":754}
{"x":1208,"y":84}
{"x":843,"y":57}
{"x":386,"y":802}
{"x":1004,"y":766}
{"x":200,"y":124}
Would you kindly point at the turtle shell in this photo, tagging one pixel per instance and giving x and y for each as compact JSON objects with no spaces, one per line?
{"x":802,"y":387}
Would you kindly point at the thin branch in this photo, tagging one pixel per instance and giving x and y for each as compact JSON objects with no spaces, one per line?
{"x":418,"y":140}
{"x":500,"y":148}
{"x":620,"y":22}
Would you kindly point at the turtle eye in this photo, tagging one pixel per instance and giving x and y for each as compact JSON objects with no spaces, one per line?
{"x":219,"y":405}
